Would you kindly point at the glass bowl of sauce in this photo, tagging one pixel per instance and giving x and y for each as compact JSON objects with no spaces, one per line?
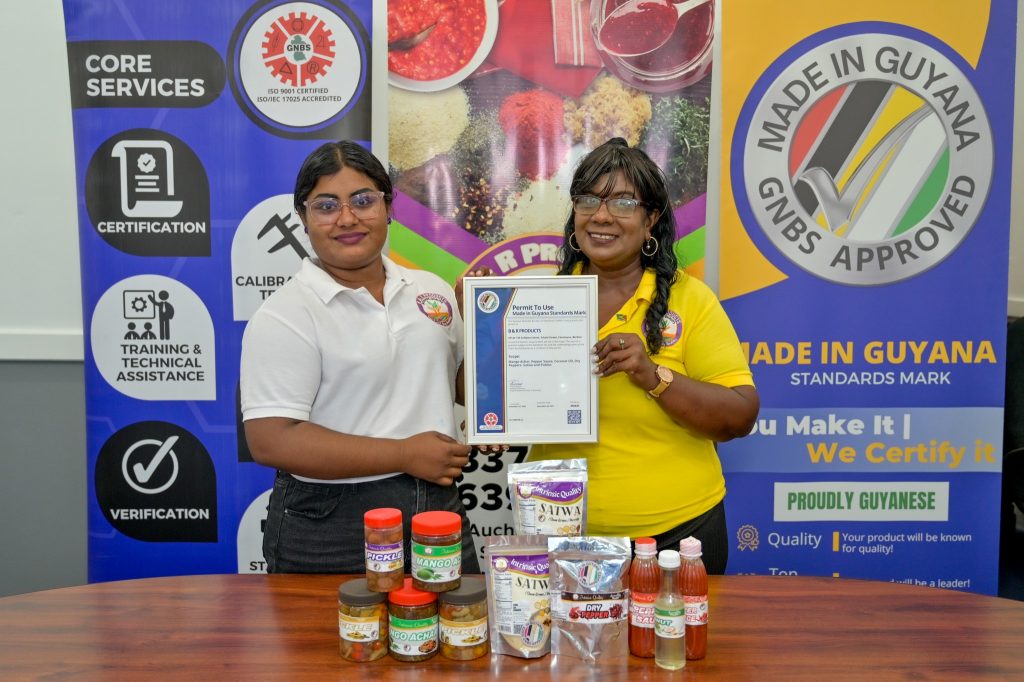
{"x":435,"y":44}
{"x":680,"y":60}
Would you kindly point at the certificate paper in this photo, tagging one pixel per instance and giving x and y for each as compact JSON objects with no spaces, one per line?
{"x":528,"y":359}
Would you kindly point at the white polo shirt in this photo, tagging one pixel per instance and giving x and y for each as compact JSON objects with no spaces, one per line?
{"x":318,"y":351}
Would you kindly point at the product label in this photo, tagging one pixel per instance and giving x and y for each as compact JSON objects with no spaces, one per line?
{"x":384,"y":558}
{"x":413,"y":637}
{"x":592,"y":608}
{"x":520,"y":587}
{"x":669,"y":623}
{"x":436,"y":563}
{"x":358,"y":629}
{"x":641,"y":609}
{"x":549,"y":507}
{"x":463,"y":634}
{"x":696,"y":610}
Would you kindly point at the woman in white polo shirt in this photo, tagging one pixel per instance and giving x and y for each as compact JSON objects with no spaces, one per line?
{"x":348,"y":378}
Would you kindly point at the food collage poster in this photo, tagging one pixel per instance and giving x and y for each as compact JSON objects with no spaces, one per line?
{"x":865,"y":206}
{"x":482,"y":146}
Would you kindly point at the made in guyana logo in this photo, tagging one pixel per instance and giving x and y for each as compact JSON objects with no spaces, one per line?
{"x":866,"y":160}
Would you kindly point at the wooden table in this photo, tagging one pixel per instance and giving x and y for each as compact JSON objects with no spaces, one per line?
{"x":284,"y":627}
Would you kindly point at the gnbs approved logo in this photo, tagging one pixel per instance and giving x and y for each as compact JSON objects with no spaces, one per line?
{"x":866,"y":160}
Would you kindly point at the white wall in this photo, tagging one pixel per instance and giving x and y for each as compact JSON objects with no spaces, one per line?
{"x":40,"y":288}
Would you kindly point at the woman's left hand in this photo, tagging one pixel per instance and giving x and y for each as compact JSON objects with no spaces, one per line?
{"x":479,"y":272}
{"x":625,"y":353}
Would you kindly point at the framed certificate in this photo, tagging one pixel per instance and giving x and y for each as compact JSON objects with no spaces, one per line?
{"x":528,"y":359}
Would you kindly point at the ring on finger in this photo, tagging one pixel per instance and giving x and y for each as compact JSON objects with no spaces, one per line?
{"x":622,"y":343}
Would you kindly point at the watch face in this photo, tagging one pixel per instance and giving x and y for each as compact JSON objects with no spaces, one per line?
{"x":664,"y":373}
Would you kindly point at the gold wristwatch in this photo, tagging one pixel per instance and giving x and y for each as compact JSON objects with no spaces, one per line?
{"x":665,"y":377}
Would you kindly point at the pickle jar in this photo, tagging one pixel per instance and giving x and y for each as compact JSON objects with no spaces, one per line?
{"x":463,"y":621}
{"x":362,"y":622}
{"x":412,"y":623}
{"x":385,"y":557}
{"x":436,"y":551}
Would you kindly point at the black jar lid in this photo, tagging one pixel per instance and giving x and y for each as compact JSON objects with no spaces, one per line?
{"x":470,"y":591}
{"x":356,"y":593}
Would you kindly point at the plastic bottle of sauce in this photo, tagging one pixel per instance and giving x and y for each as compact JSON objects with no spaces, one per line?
{"x":693,"y":583}
{"x":644,"y":583}
{"x":669,"y":609}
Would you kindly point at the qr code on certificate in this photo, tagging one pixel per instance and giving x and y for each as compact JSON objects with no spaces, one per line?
{"x":574,"y":417}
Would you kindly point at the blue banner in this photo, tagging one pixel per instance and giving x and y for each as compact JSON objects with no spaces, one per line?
{"x":867,"y":150}
{"x":190,"y":121}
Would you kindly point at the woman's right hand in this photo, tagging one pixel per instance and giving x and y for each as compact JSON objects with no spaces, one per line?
{"x":434,"y":457}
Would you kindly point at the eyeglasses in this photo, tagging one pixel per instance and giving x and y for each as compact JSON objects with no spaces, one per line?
{"x":364,"y":205}
{"x":588,"y":204}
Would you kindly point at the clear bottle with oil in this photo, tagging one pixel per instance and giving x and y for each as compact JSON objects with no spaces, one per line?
{"x":669,"y":615}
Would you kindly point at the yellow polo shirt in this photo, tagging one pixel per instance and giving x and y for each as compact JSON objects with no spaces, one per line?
{"x":646,"y":473}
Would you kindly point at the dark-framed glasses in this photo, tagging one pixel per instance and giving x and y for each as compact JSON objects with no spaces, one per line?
{"x":362,"y":205}
{"x":620,"y":207}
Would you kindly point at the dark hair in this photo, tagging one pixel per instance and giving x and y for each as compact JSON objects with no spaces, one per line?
{"x":328,"y":159}
{"x":616,"y":155}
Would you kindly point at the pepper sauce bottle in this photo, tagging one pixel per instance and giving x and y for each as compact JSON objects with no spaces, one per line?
{"x":693,"y":583}
{"x":644,"y":582}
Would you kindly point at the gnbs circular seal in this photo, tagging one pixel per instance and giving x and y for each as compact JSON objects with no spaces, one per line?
{"x":866,"y":159}
{"x":301,"y":69}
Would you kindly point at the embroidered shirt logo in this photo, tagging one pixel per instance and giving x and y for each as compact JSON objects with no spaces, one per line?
{"x":671,"y":326}
{"x":435,"y":307}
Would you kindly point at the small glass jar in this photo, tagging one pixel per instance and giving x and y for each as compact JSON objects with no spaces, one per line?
{"x":463,"y":621}
{"x":436,"y":551}
{"x":362,"y":622}
{"x":412,"y":623}
{"x":385,"y":556}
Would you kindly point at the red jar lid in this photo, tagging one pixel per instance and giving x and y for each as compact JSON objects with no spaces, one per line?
{"x":407,"y":595}
{"x":383,"y":517}
{"x":437,"y":523}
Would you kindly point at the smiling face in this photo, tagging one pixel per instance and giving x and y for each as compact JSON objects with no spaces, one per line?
{"x":349,"y":247}
{"x":611,"y":242}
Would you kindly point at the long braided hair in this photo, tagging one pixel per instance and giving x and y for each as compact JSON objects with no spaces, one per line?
{"x":650,"y":184}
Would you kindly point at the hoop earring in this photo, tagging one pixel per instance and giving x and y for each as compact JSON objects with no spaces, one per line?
{"x":656,"y":247}
{"x":568,"y":241}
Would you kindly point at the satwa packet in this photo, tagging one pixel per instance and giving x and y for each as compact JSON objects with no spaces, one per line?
{"x":549,"y":497}
{"x":589,"y":597}
{"x":519,"y":612}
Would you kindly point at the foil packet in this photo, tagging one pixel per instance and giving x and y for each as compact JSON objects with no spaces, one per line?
{"x":590,"y":597}
{"x":549,"y":497}
{"x":518,"y":606}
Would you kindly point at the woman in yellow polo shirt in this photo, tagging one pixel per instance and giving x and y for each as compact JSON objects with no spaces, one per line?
{"x":674,"y":380}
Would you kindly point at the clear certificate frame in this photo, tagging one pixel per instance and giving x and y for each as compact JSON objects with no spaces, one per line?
{"x":528,"y":366}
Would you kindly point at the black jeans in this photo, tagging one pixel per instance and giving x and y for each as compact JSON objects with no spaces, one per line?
{"x":712,"y":532}
{"x":318,"y":527}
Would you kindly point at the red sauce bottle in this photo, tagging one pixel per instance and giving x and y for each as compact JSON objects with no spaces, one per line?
{"x":693,"y":583}
{"x":644,"y":583}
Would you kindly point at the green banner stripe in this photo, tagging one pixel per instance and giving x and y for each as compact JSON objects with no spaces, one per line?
{"x":690,"y":249}
{"x":425,"y":254}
